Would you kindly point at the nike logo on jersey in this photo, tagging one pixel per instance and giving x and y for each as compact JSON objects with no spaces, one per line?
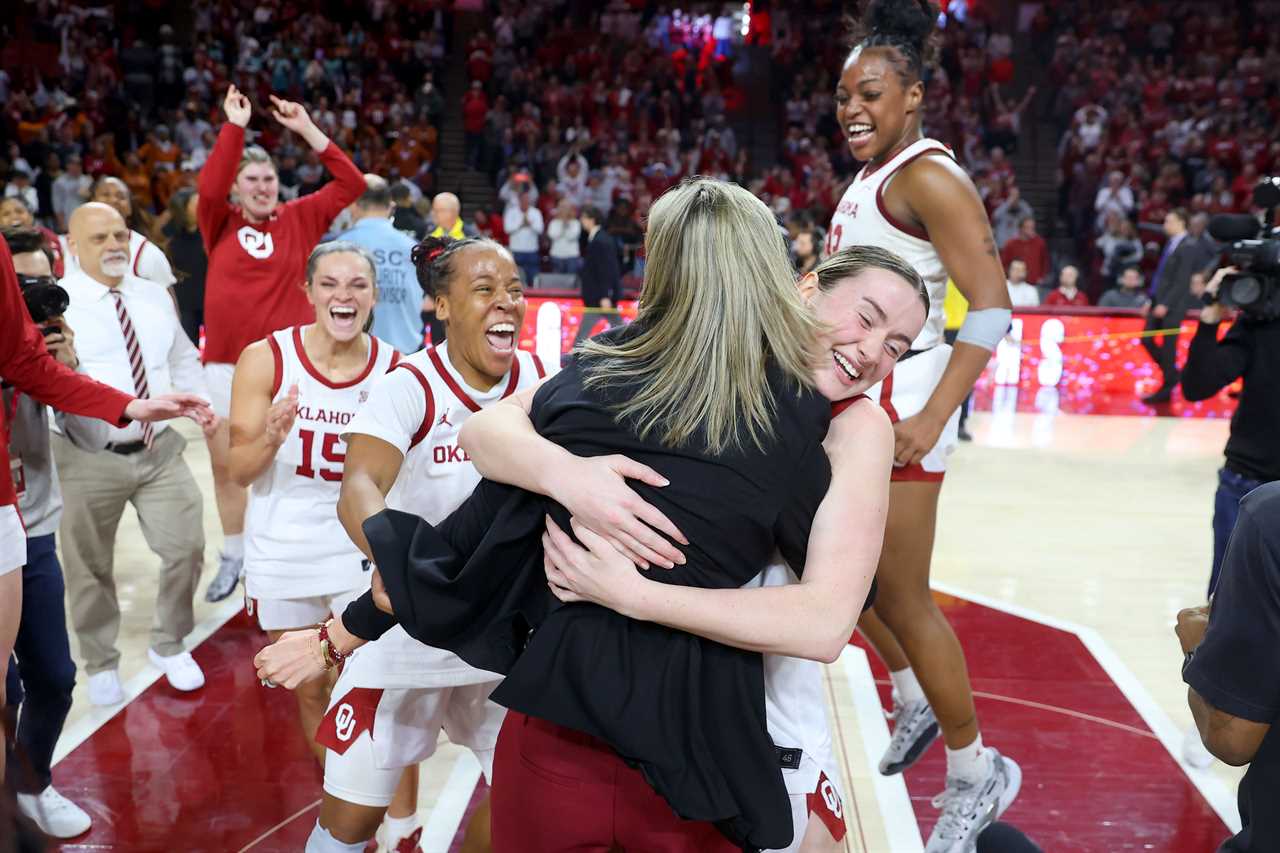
{"x":444,"y":419}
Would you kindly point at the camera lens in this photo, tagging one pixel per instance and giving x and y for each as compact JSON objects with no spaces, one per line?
{"x":45,"y":298}
{"x":1244,"y":291}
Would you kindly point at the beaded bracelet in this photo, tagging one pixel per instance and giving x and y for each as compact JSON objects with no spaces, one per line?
{"x":332,"y":656}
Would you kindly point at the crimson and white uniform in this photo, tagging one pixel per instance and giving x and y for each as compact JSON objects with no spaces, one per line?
{"x":863,"y":219}
{"x":299,"y":563}
{"x":795,"y":707}
{"x":395,"y":694}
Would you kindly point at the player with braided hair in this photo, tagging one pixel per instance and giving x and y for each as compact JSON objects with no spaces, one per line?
{"x":395,"y":695}
{"x":911,"y":197}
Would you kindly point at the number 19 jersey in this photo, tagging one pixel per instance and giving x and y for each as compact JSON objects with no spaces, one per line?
{"x":294,"y":545}
{"x":863,"y":219}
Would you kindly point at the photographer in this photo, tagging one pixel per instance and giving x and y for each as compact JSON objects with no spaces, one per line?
{"x":1232,"y":665}
{"x":1249,"y":350}
{"x":45,"y":674}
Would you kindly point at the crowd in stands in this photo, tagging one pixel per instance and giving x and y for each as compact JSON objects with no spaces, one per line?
{"x":1159,"y":107}
{"x":86,"y":95}
{"x":606,"y":106}
{"x":606,"y":110}
{"x":970,"y":104}
{"x":567,"y":117}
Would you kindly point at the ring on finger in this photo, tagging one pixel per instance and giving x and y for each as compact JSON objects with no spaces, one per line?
{"x":267,"y":682}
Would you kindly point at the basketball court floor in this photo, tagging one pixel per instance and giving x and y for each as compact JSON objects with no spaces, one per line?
{"x":1066,"y":545}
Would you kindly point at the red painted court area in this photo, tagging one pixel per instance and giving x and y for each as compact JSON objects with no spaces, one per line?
{"x":227,"y":769}
{"x":1095,"y":778}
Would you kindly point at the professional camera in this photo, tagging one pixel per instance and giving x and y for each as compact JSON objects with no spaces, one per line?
{"x":45,"y":299}
{"x":1255,"y":249}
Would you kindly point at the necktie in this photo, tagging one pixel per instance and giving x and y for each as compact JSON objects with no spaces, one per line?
{"x":1164,"y":256}
{"x":135,"y":361}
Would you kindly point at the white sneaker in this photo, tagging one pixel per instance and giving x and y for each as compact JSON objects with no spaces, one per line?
{"x":105,"y":689}
{"x":1193,"y":750}
{"x":181,"y":669}
{"x":970,"y":807}
{"x":915,"y":728}
{"x":54,"y":813}
{"x":230,"y":570}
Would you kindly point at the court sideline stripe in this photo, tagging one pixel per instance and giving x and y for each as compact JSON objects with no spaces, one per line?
{"x":901,"y":826}
{"x":451,"y":806}
{"x":97,"y":717}
{"x":1210,"y":786}
{"x":279,"y":826}
{"x":846,"y":778}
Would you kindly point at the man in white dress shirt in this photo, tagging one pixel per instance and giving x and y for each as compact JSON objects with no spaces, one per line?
{"x":1021,"y":293}
{"x":128,"y":336}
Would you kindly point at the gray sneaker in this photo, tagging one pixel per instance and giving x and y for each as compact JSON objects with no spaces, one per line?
{"x":970,"y":807}
{"x":224,"y":583}
{"x":914,"y":729}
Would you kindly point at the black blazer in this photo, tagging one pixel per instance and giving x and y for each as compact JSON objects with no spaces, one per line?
{"x":1173,"y":287}
{"x":688,"y":712}
{"x":601,"y":274}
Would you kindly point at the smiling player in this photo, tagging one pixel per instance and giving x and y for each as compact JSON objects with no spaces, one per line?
{"x":292,"y":396}
{"x":912,"y":198}
{"x":395,"y":696}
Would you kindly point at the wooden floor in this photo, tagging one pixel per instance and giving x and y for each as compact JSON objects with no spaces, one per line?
{"x":1066,"y":522}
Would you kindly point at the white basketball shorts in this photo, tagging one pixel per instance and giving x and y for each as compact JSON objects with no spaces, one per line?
{"x":371,"y":734}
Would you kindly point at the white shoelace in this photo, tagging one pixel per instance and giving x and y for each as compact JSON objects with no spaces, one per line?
{"x":958,"y":804}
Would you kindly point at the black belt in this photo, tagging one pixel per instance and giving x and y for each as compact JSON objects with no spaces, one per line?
{"x":127,"y":448}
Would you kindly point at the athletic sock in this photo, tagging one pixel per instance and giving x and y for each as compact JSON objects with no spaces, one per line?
{"x":971,"y":763}
{"x":398,"y":828}
{"x":907,"y":686}
{"x":233,"y":546}
{"x":320,"y":841}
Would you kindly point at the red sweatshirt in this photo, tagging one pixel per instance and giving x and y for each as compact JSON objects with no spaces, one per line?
{"x":25,"y":363}
{"x":256,"y":271}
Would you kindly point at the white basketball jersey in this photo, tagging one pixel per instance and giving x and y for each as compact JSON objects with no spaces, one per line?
{"x":795,"y":706}
{"x":435,"y":478}
{"x":294,"y":545}
{"x":862,"y":219}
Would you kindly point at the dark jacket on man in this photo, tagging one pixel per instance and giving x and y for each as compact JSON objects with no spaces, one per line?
{"x":1173,"y":286}
{"x":1172,"y":290}
{"x":601,"y":274}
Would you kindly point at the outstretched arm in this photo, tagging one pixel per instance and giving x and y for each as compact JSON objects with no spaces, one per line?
{"x":811,"y":619}
{"x":219,"y":172}
{"x":321,"y":207}
{"x":505,"y":448}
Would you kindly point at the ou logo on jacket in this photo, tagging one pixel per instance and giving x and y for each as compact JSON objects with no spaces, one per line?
{"x":344,"y":722}
{"x":255,"y":243}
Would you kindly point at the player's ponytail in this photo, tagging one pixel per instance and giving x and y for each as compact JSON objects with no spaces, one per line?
{"x":906,"y":25}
